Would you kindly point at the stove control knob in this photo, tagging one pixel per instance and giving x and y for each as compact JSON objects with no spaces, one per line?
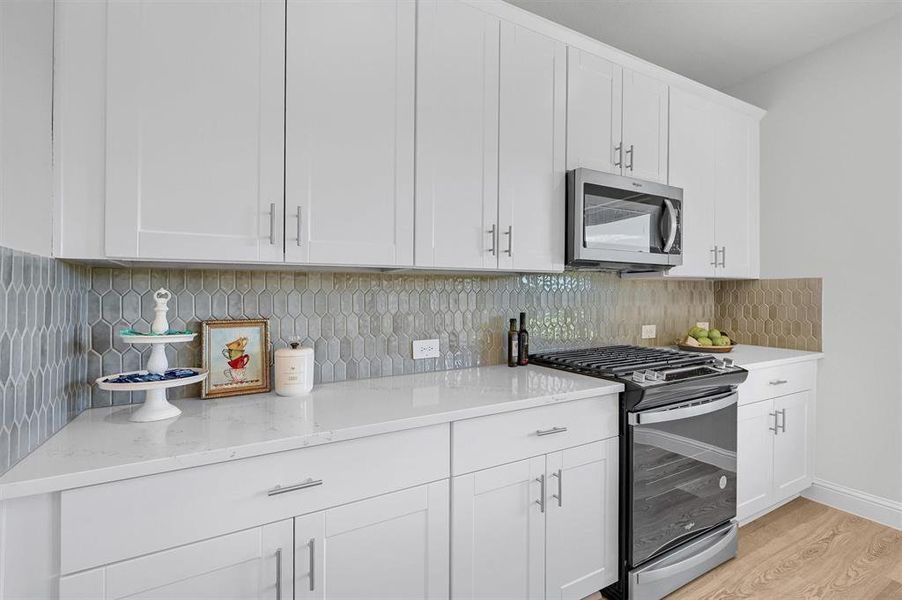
{"x":720,"y":363}
{"x":728,"y":362}
{"x":638,"y":377}
{"x":652,"y":375}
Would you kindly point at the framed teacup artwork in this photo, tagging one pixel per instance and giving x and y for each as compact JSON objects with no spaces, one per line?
{"x":236,"y":355}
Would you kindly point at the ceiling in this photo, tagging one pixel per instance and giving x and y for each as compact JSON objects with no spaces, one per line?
{"x":716,"y":42}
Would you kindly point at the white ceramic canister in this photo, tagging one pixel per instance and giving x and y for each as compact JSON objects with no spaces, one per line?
{"x":294,"y":370}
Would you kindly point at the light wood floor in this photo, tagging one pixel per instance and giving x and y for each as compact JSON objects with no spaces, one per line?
{"x":805,"y":550}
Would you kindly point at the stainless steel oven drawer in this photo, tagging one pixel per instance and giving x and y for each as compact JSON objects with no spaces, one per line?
{"x":675,"y":569}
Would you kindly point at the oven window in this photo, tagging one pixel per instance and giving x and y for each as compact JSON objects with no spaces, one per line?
{"x":621,"y":220}
{"x":684,"y":479}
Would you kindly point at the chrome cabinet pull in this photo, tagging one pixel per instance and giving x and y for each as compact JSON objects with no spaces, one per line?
{"x":299,"y":225}
{"x":632,"y":155}
{"x":494,"y":233}
{"x":541,"y":500}
{"x":723,"y":257}
{"x":272,"y":223}
{"x":510,"y":240}
{"x":279,"y":574}
{"x":552,"y":431}
{"x":311,"y":544}
{"x":714,"y":256}
{"x":560,"y":487}
{"x":618,"y":152}
{"x":774,"y":428}
{"x":309,"y":483}
{"x":778,"y":381}
{"x":782,"y":425}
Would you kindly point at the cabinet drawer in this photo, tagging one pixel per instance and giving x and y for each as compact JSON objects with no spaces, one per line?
{"x":778,"y":381}
{"x":497,"y":439}
{"x":110,"y":522}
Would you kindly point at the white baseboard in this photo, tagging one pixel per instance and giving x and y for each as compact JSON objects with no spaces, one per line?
{"x":882,"y":510}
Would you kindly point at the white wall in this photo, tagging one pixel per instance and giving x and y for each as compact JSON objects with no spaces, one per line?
{"x":830,"y":207}
{"x":26,"y":84}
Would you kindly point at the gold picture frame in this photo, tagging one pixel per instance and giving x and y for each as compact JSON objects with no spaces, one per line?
{"x":237,"y":357}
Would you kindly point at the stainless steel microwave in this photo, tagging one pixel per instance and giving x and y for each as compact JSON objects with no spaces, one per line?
{"x":622,"y":224}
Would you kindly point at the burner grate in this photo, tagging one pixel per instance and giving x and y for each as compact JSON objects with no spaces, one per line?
{"x":619,"y":360}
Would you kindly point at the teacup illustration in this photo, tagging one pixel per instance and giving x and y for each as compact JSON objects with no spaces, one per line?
{"x":240,"y":362}
{"x":236,"y":375}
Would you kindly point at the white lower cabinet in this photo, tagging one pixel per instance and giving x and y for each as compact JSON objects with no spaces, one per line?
{"x":393,"y":546}
{"x":581,"y":530}
{"x":543,"y":527}
{"x":774,"y":452}
{"x":255,"y":563}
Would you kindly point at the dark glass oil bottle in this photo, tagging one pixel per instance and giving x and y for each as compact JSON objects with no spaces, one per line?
{"x":523,"y":342}
{"x":513,"y":337}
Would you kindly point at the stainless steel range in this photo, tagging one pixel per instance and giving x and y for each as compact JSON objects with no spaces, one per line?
{"x":677,"y":461}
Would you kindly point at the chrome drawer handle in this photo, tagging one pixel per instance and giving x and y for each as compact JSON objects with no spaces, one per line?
{"x":541,"y":500}
{"x":559,"y":474}
{"x":778,"y":381}
{"x":552,"y":431}
{"x":293,"y":488}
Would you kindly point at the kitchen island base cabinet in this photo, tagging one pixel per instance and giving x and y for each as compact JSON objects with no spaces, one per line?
{"x":544,"y":527}
{"x":255,"y":563}
{"x":393,"y":547}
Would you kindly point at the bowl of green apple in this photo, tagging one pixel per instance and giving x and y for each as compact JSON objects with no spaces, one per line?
{"x":700,"y":339}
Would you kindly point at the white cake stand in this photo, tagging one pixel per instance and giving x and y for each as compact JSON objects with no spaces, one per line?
{"x":156,"y":407}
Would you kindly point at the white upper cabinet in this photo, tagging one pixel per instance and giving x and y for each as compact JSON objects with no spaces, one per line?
{"x":736,"y":188}
{"x":194,"y":130}
{"x":349,"y":132}
{"x":714,"y":159}
{"x":645,"y":127}
{"x":531,"y":168}
{"x":692,"y":158}
{"x":457,"y":136}
{"x":594,"y":112}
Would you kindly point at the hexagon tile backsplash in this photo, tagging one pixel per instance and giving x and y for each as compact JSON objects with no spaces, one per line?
{"x":59,"y":323}
{"x":43,"y":346}
{"x":362,"y":324}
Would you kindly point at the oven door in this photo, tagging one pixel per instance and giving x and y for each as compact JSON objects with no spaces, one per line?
{"x":684,"y":472}
{"x":616,"y":219}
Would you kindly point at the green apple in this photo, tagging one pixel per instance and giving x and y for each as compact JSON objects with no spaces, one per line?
{"x":724,"y":341}
{"x":704,"y":341}
{"x":714,"y":334}
{"x":701,"y":333}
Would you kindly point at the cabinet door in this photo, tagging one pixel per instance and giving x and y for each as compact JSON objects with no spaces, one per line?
{"x":498,"y":532}
{"x":692,"y":160}
{"x":793,"y":445}
{"x":349,"y":132}
{"x":531,"y":151}
{"x":581,"y":529}
{"x":250,"y":564}
{"x":736,"y":174}
{"x":645,"y":127}
{"x":754,"y":458}
{"x":393,"y":547}
{"x":594,"y":95}
{"x":457,"y":136}
{"x":195,"y":98}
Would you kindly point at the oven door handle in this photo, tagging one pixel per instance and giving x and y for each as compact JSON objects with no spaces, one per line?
{"x":726,"y":538}
{"x":672,"y":222}
{"x":684,"y":411}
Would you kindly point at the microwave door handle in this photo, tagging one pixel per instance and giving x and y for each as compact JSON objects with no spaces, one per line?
{"x":672,"y":229}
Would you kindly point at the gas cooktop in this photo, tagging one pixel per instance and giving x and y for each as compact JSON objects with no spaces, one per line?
{"x":636,"y":365}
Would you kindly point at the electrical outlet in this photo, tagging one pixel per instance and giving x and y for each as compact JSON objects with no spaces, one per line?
{"x":649,"y":332}
{"x":702,"y":324}
{"x":425,"y":349}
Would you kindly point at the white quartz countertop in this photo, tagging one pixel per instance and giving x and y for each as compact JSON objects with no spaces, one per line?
{"x":761,"y":357}
{"x":101,"y":445}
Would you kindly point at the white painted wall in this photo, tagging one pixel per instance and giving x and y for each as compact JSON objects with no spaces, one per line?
{"x":26,"y":87}
{"x":830,"y":206}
